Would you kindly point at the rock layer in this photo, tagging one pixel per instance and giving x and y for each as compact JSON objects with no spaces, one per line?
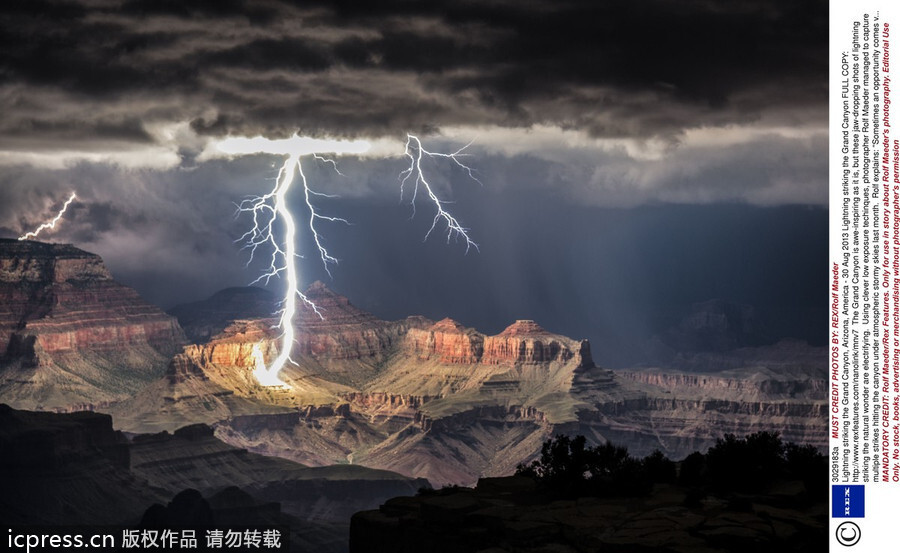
{"x":448,"y":341}
{"x":433,"y":400}
{"x":68,"y":301}
{"x":70,"y":334}
{"x":448,"y":403}
{"x":523,"y":342}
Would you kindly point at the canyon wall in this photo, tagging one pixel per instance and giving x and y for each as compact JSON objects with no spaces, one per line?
{"x":448,"y":403}
{"x":70,"y":334}
{"x":427,"y":399}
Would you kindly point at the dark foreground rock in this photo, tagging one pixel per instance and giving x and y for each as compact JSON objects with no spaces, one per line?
{"x":511,"y":515}
{"x":74,"y":469}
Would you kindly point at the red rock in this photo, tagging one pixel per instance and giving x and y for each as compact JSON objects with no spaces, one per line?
{"x":71,"y":334}
{"x":525,"y":341}
{"x":523,"y":327}
{"x":69,"y":301}
{"x":446,"y":402}
{"x":448,"y":342}
{"x":522,"y":342}
{"x":342,"y":331}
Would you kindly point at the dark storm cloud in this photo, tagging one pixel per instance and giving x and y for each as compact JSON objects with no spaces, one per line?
{"x":288,"y":54}
{"x":199,"y":8}
{"x":126,"y":128}
{"x":607,"y":67}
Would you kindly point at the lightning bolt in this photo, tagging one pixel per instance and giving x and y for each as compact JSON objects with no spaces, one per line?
{"x":272,"y":207}
{"x":266,"y":210}
{"x":52,"y":223}
{"x":415,"y":152}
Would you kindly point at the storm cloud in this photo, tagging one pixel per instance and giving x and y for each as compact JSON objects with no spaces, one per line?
{"x":619,"y":69}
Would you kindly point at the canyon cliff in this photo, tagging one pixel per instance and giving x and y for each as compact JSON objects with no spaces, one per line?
{"x":426,"y":399}
{"x":70,"y":335}
{"x":448,"y":403}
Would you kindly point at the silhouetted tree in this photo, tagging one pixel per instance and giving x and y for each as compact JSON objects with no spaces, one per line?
{"x":563,"y":466}
{"x":659,"y":468}
{"x":609,"y":459}
{"x":745,"y":463}
{"x":568,"y":468}
{"x":693,"y":470}
{"x":806,"y":463}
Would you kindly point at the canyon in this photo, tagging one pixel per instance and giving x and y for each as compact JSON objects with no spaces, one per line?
{"x":72,"y":337}
{"x":445,"y":402}
{"x":75,"y":469}
{"x":423,"y":398}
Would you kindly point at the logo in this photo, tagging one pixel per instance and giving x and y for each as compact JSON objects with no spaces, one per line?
{"x":848,"y":501}
{"x":847,"y":533}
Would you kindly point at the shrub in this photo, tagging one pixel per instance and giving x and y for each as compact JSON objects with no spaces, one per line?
{"x":568,"y":467}
{"x":746,"y":463}
{"x":564,"y":464}
{"x":659,"y":468}
{"x":806,"y":463}
{"x":693,"y":470}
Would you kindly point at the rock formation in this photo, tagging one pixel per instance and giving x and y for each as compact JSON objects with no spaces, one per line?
{"x":448,"y":341}
{"x":66,"y":469}
{"x":426,"y":399}
{"x":523,"y":342}
{"x":204,"y":319}
{"x":446,"y":402}
{"x":74,"y":469}
{"x":420,"y":398}
{"x":69,"y":334}
{"x":341,"y":331}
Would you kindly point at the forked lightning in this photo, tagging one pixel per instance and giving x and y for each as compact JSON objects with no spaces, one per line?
{"x":52,"y":223}
{"x":270,"y":208}
{"x":415,"y":152}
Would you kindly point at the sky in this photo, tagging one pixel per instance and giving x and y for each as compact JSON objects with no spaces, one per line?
{"x":633,"y":158}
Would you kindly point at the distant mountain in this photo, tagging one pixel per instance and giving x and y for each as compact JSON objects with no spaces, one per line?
{"x":72,"y":336}
{"x":718,"y":335}
{"x":202,"y":320}
{"x":716,"y":325}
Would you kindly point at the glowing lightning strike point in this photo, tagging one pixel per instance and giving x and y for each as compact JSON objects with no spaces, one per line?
{"x":52,"y":223}
{"x":268,"y":376}
{"x":415,"y":151}
{"x":271,"y":207}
